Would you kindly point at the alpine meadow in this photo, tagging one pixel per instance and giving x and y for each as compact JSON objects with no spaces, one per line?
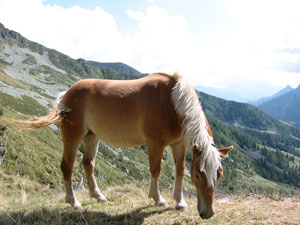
{"x":260,"y":183}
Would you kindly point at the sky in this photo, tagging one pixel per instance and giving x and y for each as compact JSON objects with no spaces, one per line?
{"x":248,"y":47}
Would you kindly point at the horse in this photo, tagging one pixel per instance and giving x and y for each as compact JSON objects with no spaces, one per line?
{"x":158,"y":110}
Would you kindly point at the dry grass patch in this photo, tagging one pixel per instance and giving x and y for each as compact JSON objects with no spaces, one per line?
{"x":259,"y":210}
{"x":130,"y":205}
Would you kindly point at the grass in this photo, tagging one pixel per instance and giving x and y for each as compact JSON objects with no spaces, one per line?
{"x":26,"y":105}
{"x":10,"y":81}
{"x":129,"y":204}
{"x":30,"y":60}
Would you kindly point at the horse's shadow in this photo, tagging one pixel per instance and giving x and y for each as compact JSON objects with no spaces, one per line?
{"x":61,"y":216}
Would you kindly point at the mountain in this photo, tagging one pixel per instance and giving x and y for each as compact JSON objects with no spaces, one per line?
{"x":265,"y":160}
{"x":118,"y":66}
{"x":283,"y":91}
{"x":30,"y":69}
{"x":222,"y":93}
{"x":285,"y":107}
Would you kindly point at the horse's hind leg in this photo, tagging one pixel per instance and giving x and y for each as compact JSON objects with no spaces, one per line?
{"x":67,"y":163}
{"x":91,"y":142}
{"x":179,"y":152}
{"x":155,"y":151}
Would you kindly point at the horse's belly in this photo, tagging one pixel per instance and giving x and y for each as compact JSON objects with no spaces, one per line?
{"x":120,"y":136}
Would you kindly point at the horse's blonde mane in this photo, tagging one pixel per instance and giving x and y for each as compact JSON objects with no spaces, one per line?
{"x":194,"y":127}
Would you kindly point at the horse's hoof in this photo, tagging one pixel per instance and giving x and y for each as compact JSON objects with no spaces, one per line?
{"x":78,"y":206}
{"x":104,"y":200}
{"x":74,"y":202}
{"x":163,"y":204}
{"x":99,"y":197}
{"x":181,"y":205}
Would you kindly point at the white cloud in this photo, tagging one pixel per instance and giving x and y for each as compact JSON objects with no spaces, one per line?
{"x":250,"y":54}
{"x":262,"y":30}
{"x":247,"y":54}
{"x":160,"y":41}
{"x":245,"y":57}
{"x":74,"y":31}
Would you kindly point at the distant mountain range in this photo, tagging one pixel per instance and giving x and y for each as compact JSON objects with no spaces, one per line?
{"x":283,"y":91}
{"x":222,"y":93}
{"x":31,"y":76}
{"x":284,"y":107}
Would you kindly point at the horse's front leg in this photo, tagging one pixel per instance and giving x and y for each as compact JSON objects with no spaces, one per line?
{"x":155,"y":151}
{"x":179,"y":152}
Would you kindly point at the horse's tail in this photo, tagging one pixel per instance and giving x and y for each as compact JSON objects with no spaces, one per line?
{"x":55,"y":116}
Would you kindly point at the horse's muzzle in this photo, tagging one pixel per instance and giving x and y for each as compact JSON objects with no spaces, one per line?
{"x":204,"y":215}
{"x":202,"y":209}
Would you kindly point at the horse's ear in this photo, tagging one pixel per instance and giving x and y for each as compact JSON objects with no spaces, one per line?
{"x":224,"y":151}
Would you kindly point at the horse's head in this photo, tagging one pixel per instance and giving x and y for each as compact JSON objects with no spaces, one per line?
{"x":206,"y":188}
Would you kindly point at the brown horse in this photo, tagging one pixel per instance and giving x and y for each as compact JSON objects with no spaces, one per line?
{"x":158,"y":110}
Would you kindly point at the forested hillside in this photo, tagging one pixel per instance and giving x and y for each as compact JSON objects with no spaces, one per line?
{"x":273,"y":145}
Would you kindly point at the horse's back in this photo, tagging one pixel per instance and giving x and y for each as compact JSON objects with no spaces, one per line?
{"x":124,"y":113}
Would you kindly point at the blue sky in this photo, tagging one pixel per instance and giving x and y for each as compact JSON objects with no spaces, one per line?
{"x":197,"y":11}
{"x":117,"y":8}
{"x":249,"y":47}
